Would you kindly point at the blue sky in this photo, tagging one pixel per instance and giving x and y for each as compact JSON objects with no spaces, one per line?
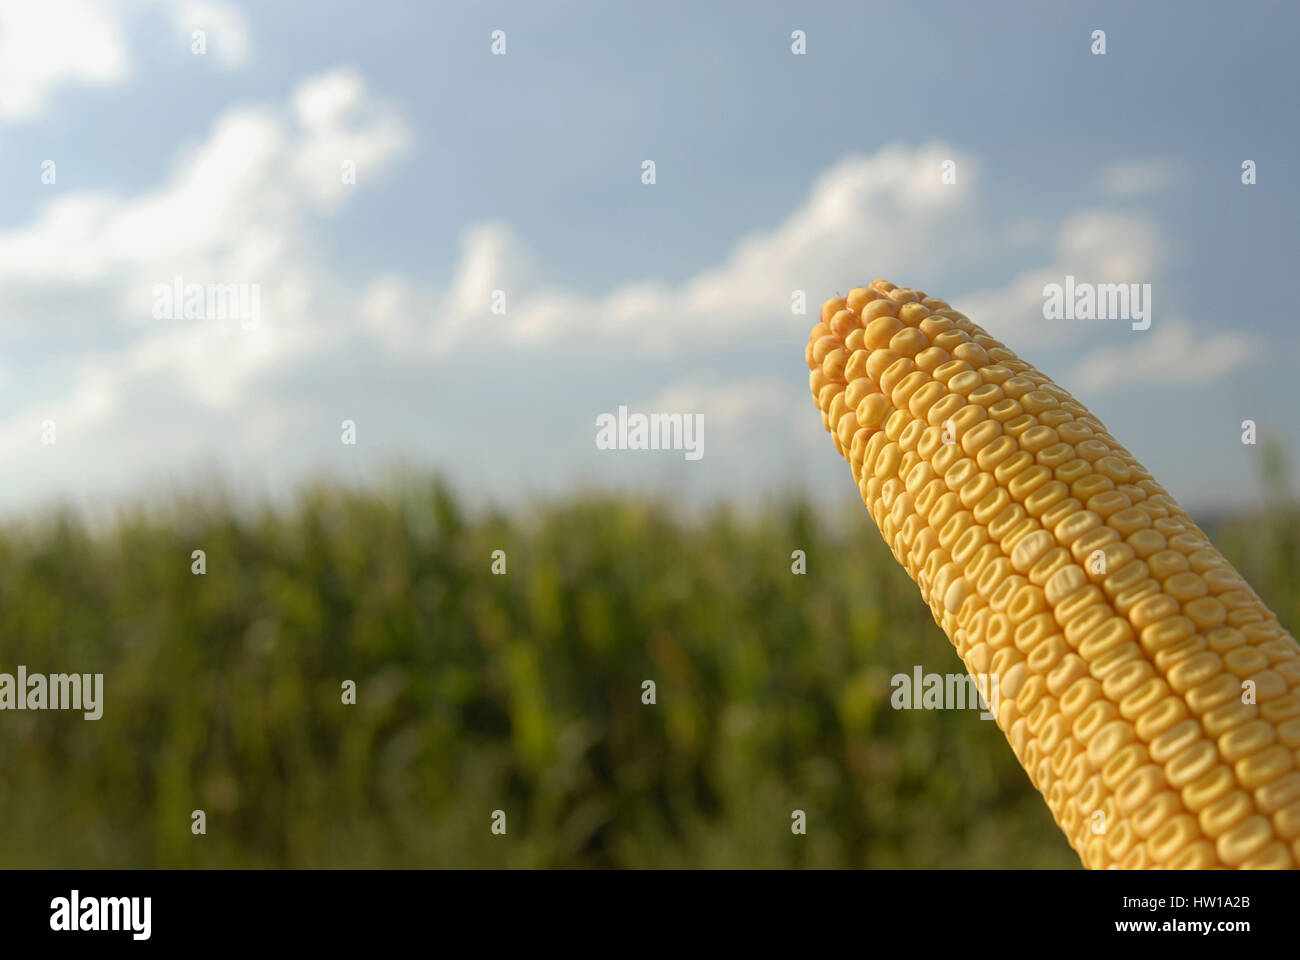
{"x":522,"y":173}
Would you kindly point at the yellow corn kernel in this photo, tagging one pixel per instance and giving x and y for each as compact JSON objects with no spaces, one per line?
{"x":1121,"y":639}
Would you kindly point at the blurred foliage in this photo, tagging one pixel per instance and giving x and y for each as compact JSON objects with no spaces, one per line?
{"x":1265,"y":547}
{"x":519,"y":692}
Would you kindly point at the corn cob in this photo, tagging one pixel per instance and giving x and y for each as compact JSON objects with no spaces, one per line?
{"x":1121,"y":639}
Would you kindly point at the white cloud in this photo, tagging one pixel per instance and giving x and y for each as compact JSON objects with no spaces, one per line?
{"x":760,"y":423}
{"x":237,"y":209}
{"x":1171,"y":353}
{"x":887,"y":215}
{"x":203,"y":213}
{"x":224,"y":25}
{"x":240,"y":207}
{"x":230,"y":211}
{"x":865,"y":217}
{"x":742,"y":401}
{"x":1094,"y":246}
{"x":329,"y":108}
{"x":1138,"y":177}
{"x":48,"y":44}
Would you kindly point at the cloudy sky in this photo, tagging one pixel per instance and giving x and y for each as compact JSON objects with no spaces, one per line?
{"x":522,"y":173}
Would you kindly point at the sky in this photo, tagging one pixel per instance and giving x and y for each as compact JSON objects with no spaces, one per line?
{"x":495,"y":273}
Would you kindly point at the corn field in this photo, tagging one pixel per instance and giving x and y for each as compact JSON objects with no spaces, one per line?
{"x":519,"y":692}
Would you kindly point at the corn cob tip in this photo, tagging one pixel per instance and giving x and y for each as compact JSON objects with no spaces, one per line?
{"x":1150,"y":695}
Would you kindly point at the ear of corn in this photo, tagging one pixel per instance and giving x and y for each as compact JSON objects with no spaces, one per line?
{"x":1120,"y":638}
